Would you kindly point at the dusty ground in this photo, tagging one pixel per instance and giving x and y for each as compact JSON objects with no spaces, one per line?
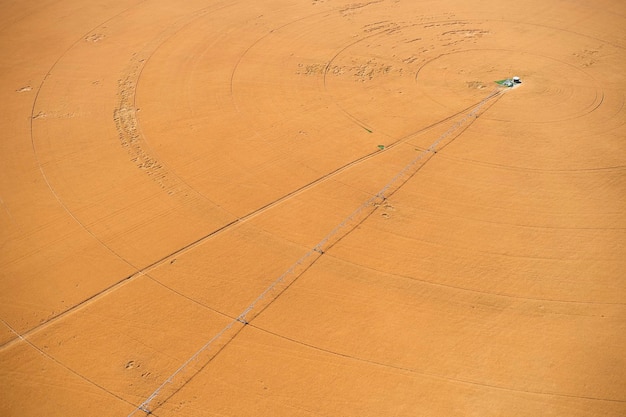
{"x":312,"y":208}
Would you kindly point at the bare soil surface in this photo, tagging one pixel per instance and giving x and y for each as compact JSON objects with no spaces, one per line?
{"x":312,"y":208}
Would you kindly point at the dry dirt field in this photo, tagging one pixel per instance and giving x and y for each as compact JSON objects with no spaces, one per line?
{"x":312,"y":208}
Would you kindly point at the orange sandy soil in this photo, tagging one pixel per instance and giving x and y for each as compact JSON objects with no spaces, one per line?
{"x":197,"y":219}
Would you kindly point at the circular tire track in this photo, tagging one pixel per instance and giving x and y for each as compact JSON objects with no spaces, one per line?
{"x":368,"y":121}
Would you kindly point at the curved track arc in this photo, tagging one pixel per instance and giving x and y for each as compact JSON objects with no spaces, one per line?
{"x":434,"y":375}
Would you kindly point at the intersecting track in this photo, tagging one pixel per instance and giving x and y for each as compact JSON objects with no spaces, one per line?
{"x":194,"y":165}
{"x":285,"y":280}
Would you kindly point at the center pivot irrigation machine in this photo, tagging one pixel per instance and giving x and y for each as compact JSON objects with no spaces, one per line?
{"x":509,"y":82}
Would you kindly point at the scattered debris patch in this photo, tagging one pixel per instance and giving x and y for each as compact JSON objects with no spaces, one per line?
{"x":96,"y":37}
{"x":476,"y":84}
